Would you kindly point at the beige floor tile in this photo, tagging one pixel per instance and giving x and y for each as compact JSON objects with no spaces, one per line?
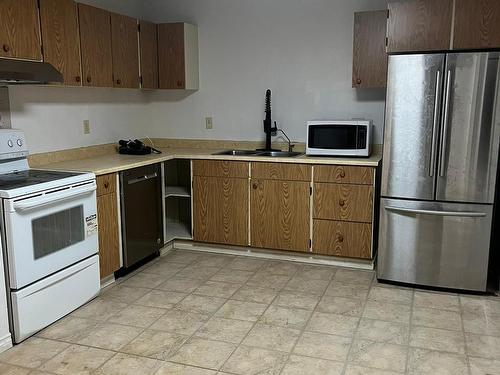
{"x":483,"y":346}
{"x":341,"y":305}
{"x":180,"y":322}
{"x":424,"y":362}
{"x":137,"y":316}
{"x":305,"y":285}
{"x":229,"y":275}
{"x":281,"y":268}
{"x":200,"y":304}
{"x":204,"y":353}
{"x":482,"y":366}
{"x":33,"y":352}
{"x":483,"y":324}
{"x":217,"y":289}
{"x":355,"y":277}
{"x":250,"y":293}
{"x":391,"y":294}
{"x":6,"y":369}
{"x":253,"y":361}
{"x":180,"y":256}
{"x":333,"y":324}
{"x":295,"y":300}
{"x":323,"y":346}
{"x":170,"y":368}
{"x":382,"y":331}
{"x":437,"y":339}
{"x":317,"y":272}
{"x":125,"y":294}
{"x":99,"y":309}
{"x":272,"y":337}
{"x":164,"y":269}
{"x":241,"y":310}
{"x":180,"y":284}
{"x":144,"y":280}
{"x":125,"y":364}
{"x":299,"y":365}
{"x":77,"y":360}
{"x":435,"y":318}
{"x":228,"y":330}
{"x":285,"y":317}
{"x":246,"y":264}
{"x":214,"y":260}
{"x":110,"y":336}
{"x":480,"y":305}
{"x":359,"y":370}
{"x":440,"y":301}
{"x":263,"y":279}
{"x":378,"y":355}
{"x":163,"y":299}
{"x":392,"y":312}
{"x":198,"y":272}
{"x":155,"y":344}
{"x":68,"y":329}
{"x":339,"y":289}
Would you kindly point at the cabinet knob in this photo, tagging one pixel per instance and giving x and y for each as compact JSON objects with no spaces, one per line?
{"x":358,"y":81}
{"x":342,"y":173}
{"x":340,"y":238}
{"x":106,"y":185}
{"x":179,"y":83}
{"x":255,"y":186}
{"x":341,"y":203}
{"x":6,"y":48}
{"x":89,"y":79}
{"x":118,"y":81}
{"x":78,"y":79}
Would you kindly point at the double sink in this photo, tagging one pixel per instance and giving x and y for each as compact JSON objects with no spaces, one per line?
{"x":281,"y":154}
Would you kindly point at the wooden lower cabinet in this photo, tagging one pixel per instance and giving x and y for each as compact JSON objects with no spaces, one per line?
{"x":342,"y":239}
{"x":220,"y":210}
{"x":279,"y":214}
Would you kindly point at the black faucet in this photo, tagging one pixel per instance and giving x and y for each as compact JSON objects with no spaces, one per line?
{"x":268,"y":128}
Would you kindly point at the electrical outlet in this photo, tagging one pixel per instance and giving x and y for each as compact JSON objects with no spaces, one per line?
{"x":86,"y":127}
{"x":208,"y":122}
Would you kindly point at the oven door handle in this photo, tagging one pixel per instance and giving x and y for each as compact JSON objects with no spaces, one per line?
{"x":53,"y":198}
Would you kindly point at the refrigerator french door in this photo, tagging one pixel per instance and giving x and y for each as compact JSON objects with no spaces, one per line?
{"x":439,"y":170}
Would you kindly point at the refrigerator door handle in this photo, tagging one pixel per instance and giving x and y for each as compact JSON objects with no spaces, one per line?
{"x":444,"y":127}
{"x":436,"y":213}
{"x":432,"y":164}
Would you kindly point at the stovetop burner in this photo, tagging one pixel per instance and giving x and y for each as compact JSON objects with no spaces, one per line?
{"x":19,"y":179}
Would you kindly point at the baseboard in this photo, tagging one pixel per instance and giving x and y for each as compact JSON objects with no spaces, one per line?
{"x":5,"y":342}
{"x":107,"y":281}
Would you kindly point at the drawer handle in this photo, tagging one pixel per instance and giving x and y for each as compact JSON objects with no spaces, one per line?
{"x":106,"y":185}
{"x":6,"y":48}
{"x":342,"y":174}
{"x":118,"y":81}
{"x":358,"y":81}
{"x":255,"y":186}
{"x":341,"y":203}
{"x":340,"y":238}
{"x":78,"y":79}
{"x":89,"y":79}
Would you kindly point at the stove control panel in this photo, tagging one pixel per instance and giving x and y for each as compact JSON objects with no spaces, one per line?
{"x":12,"y":144}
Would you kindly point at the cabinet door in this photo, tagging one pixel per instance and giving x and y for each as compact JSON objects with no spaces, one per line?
{"x":125,"y":51}
{"x":61,"y":42}
{"x":477,"y":24}
{"x":369,"y":64}
{"x":20,"y":29}
{"x":342,"y":239}
{"x":95,"y":39}
{"x":279,"y":214}
{"x":419,"y":25}
{"x":148,"y":40}
{"x":220,"y":210}
{"x":171,"y":56}
{"x":109,"y":250}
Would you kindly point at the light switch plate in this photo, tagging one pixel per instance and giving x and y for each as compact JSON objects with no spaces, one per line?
{"x":208,"y":122}
{"x":86,"y":127}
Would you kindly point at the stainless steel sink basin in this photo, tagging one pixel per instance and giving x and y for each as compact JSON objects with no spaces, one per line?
{"x":237,"y":152}
{"x":283,"y":154}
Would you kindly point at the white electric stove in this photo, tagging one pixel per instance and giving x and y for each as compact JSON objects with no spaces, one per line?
{"x":49,"y":234}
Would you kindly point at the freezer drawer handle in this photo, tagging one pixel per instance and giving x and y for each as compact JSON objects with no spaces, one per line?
{"x":142,"y":178}
{"x":436,"y":213}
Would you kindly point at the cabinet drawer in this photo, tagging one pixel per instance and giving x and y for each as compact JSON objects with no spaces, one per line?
{"x":220,"y":168}
{"x":343,"y":202}
{"x":341,"y":174}
{"x":281,"y":171}
{"x":342,"y":239}
{"x":106,"y":184}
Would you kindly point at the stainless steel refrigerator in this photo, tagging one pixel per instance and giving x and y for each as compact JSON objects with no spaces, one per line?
{"x":439,"y":171}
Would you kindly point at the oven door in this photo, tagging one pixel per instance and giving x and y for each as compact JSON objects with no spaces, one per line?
{"x":50,"y":231}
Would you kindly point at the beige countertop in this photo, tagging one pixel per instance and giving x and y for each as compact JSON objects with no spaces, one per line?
{"x":111,"y":163}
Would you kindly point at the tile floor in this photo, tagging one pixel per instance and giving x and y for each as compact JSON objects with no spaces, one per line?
{"x":200,"y":314}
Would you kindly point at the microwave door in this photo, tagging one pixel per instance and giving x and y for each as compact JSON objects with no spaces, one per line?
{"x":414,"y":95}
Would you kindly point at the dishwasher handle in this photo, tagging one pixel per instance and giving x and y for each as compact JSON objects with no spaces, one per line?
{"x":142,"y":178}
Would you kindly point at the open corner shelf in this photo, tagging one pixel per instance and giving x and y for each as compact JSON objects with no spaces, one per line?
{"x":177,"y":191}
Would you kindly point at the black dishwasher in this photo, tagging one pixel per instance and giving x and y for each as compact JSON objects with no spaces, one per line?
{"x":141,"y":218}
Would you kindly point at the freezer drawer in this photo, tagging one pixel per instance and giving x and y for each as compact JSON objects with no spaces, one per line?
{"x":435,"y":244}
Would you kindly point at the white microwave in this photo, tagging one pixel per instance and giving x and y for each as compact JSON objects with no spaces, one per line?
{"x":339,"y":138}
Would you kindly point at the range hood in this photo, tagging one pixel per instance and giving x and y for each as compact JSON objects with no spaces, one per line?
{"x":18,"y":72}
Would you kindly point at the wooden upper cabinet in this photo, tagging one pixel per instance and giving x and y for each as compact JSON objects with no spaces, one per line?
{"x":20,"y":29}
{"x":419,"y":25}
{"x":125,"y":51}
{"x":369,"y":64}
{"x":178,"y":56}
{"x":95,"y":38}
{"x":61,"y":42}
{"x":477,"y":24}
{"x":148,"y":49}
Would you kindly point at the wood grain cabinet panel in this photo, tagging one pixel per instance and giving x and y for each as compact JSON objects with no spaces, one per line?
{"x":281,"y":171}
{"x":20,"y":29}
{"x":477,"y":24}
{"x":343,"y":202}
{"x":220,"y":210}
{"x":61,"y":41}
{"x":279,"y":214}
{"x":109,"y":245}
{"x":106,"y":184}
{"x":125,"y":51}
{"x":344,"y":174}
{"x":419,"y":25}
{"x":95,"y":39}
{"x":369,"y":68}
{"x":220,"y":168}
{"x":148,"y":41}
{"x":342,"y":239}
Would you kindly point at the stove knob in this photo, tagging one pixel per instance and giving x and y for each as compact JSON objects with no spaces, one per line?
{"x":20,"y":142}
{"x":10,"y":143}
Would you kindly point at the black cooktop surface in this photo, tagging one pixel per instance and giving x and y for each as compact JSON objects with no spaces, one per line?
{"x":15,"y":180}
